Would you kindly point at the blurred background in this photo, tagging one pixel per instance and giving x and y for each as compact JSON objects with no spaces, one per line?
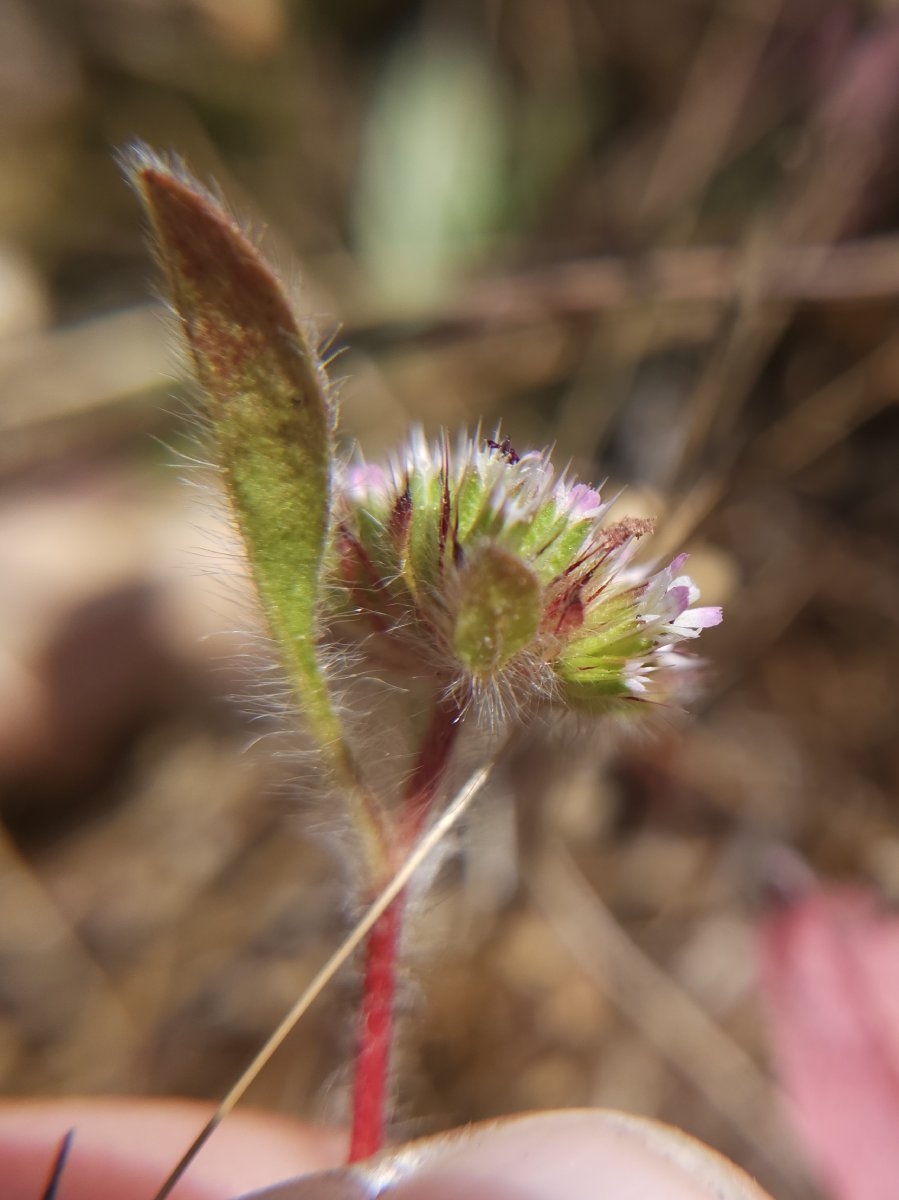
{"x":661,"y":235}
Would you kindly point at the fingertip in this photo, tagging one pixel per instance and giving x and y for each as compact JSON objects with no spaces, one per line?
{"x":578,"y":1154}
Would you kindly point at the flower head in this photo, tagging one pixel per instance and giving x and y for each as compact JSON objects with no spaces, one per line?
{"x":482,"y":570}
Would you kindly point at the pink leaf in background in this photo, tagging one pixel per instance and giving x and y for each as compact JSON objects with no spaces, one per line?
{"x":830,"y":979}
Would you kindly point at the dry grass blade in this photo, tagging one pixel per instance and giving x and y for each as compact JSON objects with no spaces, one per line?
{"x":845,"y":134}
{"x":426,"y":846}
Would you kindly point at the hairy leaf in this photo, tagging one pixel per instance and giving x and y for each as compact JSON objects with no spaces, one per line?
{"x":267,"y":402}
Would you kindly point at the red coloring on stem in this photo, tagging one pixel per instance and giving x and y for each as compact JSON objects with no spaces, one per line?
{"x":372,"y":1079}
{"x":432,"y":760}
{"x":375,"y":1034}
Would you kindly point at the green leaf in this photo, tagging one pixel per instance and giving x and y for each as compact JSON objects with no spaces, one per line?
{"x":267,"y":402}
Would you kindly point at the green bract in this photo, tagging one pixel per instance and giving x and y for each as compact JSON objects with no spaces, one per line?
{"x":499,"y":609}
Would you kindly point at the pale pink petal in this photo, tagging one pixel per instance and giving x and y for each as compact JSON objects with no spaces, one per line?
{"x":583,"y":502}
{"x":365,"y":478}
{"x":678,"y":598}
{"x":701,"y":618}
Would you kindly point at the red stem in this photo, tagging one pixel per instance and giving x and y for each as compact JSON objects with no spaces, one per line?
{"x":372,"y":1079}
{"x":375,"y":1034}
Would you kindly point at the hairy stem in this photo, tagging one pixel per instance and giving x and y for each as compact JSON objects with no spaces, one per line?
{"x":372,"y":1080}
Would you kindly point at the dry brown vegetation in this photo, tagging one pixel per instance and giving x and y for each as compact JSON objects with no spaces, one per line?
{"x":661,"y":235}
